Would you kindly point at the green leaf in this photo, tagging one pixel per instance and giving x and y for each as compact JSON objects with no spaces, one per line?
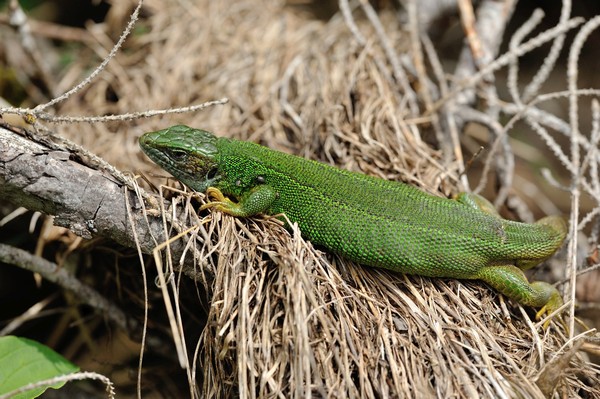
{"x":23,"y":361}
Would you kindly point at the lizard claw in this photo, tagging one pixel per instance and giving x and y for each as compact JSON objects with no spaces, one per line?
{"x":220,"y":203}
{"x":553,"y":304}
{"x":221,"y":206}
{"x":213,"y":192}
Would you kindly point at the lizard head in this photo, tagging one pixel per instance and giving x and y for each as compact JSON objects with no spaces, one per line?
{"x":188,"y":154}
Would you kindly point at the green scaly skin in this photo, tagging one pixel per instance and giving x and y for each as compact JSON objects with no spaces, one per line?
{"x":368,"y":220}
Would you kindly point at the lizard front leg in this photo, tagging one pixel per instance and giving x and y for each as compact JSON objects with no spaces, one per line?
{"x":256,"y":200}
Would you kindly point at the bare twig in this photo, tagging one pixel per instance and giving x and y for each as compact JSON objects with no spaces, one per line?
{"x":19,"y":20}
{"x":572,"y":74}
{"x":86,"y":375}
{"x":506,"y":58}
{"x":51,"y":272}
{"x":392,"y":57}
{"x":100,"y":68}
{"x":550,"y":61}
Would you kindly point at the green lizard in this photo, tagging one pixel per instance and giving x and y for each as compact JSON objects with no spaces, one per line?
{"x":371,"y":221}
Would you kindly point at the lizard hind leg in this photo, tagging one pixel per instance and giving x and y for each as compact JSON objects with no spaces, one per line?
{"x":477,"y":202}
{"x":511,"y":281}
{"x":554,"y":230}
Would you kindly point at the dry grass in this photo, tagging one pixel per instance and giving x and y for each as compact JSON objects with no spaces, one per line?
{"x":289,"y":321}
{"x":286,"y":319}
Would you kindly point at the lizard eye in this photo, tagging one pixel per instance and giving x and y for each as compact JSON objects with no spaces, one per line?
{"x":178,"y":155}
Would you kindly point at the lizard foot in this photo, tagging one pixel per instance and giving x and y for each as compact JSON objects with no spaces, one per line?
{"x":220,"y":203}
{"x":553,"y":304}
{"x":510,"y":280}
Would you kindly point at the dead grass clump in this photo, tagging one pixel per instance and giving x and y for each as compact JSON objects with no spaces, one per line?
{"x":287,"y":320}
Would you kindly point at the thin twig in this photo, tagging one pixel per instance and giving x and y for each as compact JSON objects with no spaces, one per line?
{"x":549,"y":61}
{"x":100,"y":68}
{"x":572,"y":74}
{"x":127,"y":116}
{"x":393,"y":58}
{"x":19,"y":20}
{"x":508,"y":57}
{"x":51,"y":272}
{"x":84,"y":375}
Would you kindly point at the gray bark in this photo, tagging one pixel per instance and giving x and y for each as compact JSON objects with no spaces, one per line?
{"x":87,"y":201}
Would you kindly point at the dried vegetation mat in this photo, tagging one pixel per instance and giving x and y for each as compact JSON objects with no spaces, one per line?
{"x":366,"y":90}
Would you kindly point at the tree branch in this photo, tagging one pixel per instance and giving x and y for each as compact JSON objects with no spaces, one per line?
{"x":87,"y":201}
